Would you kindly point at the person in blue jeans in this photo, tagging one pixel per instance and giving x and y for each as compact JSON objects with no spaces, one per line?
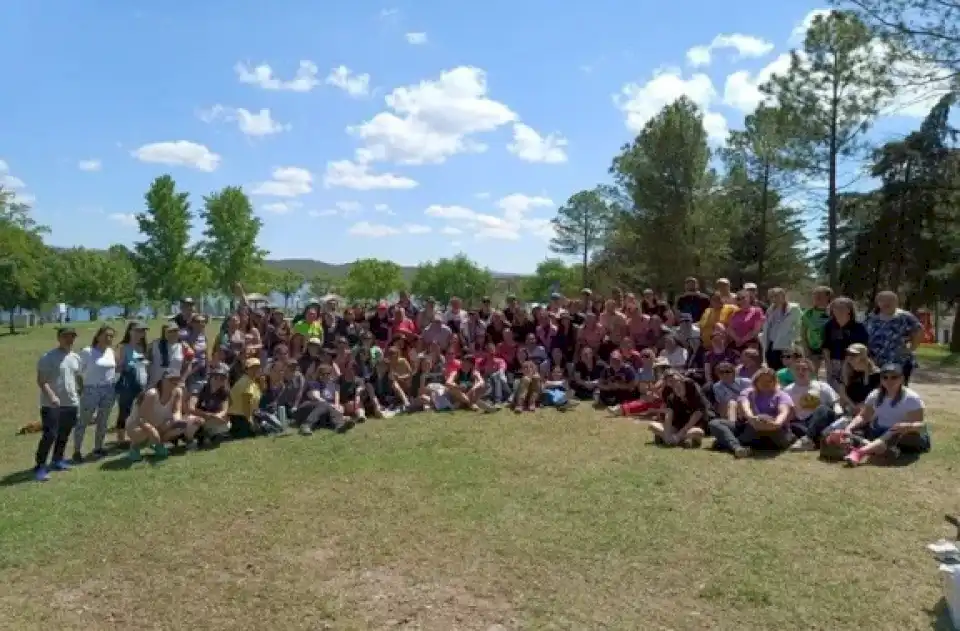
{"x":58,"y":377}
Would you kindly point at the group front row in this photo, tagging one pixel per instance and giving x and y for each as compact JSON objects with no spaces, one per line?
{"x":870,"y":413}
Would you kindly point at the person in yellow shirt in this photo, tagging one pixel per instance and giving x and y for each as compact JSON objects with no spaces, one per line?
{"x":717,"y":313}
{"x":311,"y":326}
{"x":245,"y":400}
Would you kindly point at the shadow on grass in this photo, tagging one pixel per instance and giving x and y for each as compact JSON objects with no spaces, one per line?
{"x":940,"y":616}
{"x":122,"y":464}
{"x":17,"y":477}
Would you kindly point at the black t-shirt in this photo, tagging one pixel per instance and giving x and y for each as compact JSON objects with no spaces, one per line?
{"x":521,"y":331}
{"x":494,"y":334}
{"x":858,"y":387}
{"x":694,"y":303}
{"x":348,"y":389}
{"x":212,"y":401}
{"x":658,"y":309}
{"x":508,"y":314}
{"x":380,"y":328}
{"x":607,"y":346}
{"x":836,"y":338}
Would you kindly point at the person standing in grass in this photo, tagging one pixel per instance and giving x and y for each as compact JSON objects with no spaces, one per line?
{"x":58,"y":377}
{"x":813,"y":324}
{"x":99,"y":366}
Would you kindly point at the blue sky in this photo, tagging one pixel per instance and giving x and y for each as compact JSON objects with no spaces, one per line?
{"x":407,"y":131}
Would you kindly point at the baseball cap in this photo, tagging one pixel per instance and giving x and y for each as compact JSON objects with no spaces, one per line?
{"x":315,"y":340}
{"x":555,"y":296}
{"x":892,"y":369}
{"x":685,"y":317}
{"x":382,"y":305}
{"x":186,"y":300}
{"x":251,"y":362}
{"x":856,"y":349}
{"x":66,"y":330}
{"x":138,"y":325}
{"x":171,"y":373}
{"x":220,"y":370}
{"x":750,"y":286}
{"x":586,"y":291}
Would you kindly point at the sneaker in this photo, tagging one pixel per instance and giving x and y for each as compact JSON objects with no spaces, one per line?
{"x":134,"y":455}
{"x":305,"y":430}
{"x":362,"y":417}
{"x":60,"y":465}
{"x":160,"y":451}
{"x":531,"y":408}
{"x":346,"y":426}
{"x":804,"y":444}
{"x":40,"y":474}
{"x":692,"y":443}
{"x":77,"y":458}
{"x":742,"y":452}
{"x":615,"y":410}
{"x":854,"y":458}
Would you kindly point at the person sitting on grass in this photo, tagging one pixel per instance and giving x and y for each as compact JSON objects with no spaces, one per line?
{"x":815,"y":406}
{"x":726,"y":391}
{"x":465,"y":385}
{"x":208,"y":408}
{"x":493,"y":369}
{"x":587,"y":372}
{"x":245,"y":400}
{"x":859,"y":376}
{"x":385,"y":397}
{"x":890,"y":422}
{"x":141,"y":432}
{"x":527,"y":388}
{"x":351,"y":393}
{"x":650,"y":391}
{"x":762,"y":421}
{"x":750,"y":363}
{"x":555,"y":391}
{"x":785,"y":375}
{"x":687,"y":413}
{"x":618,"y":383}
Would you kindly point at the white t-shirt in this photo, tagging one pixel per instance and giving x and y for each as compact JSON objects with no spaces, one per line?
{"x":677,"y":357}
{"x":99,"y":367}
{"x":174,"y":357}
{"x":806,"y":399}
{"x":886,"y":415}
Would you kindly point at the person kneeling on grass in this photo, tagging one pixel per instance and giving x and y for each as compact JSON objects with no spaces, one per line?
{"x":141,"y":432}
{"x":890,"y":422}
{"x":208,"y":408}
{"x":245,"y":400}
{"x":763,"y":416}
{"x":687,"y":413}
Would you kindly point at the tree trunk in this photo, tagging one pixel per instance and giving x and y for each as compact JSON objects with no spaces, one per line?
{"x":832,"y":277}
{"x":955,"y":329}
{"x":586,"y":261}
{"x":13,"y":326}
{"x":762,"y":237}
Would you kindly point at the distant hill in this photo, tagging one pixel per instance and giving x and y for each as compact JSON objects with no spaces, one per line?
{"x":310,"y":267}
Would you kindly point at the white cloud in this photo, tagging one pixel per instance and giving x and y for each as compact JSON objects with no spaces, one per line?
{"x":746,"y":46}
{"x":323,"y":213}
{"x":530,"y":146}
{"x":799,"y":32}
{"x":640,"y":103}
{"x":356,"y":85}
{"x":413,"y":228}
{"x":347,"y":174}
{"x":373,"y":230}
{"x":741,"y":89}
{"x":281,"y":208}
{"x":416,"y":39}
{"x":509,"y":226}
{"x":383,"y":208}
{"x":349,"y":208}
{"x":304,"y":80}
{"x":426,"y":123}
{"x":450,"y":230}
{"x":90,"y":165}
{"x":127,"y":220}
{"x":251,"y":124}
{"x":178,"y":153}
{"x":9,"y":182}
{"x":286,"y":182}
{"x":25,"y":198}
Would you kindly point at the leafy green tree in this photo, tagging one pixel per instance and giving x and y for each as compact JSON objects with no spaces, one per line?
{"x":230,"y":237}
{"x":927,"y":33}
{"x":287,"y":283}
{"x":767,"y":242}
{"x":551,"y":273}
{"x":834,"y":88}
{"x":674,"y":226}
{"x":321,"y":284}
{"x":26,"y":278}
{"x":163,"y":258}
{"x":85,"y":279}
{"x":447,"y":278}
{"x":124,"y":282}
{"x":372,"y":279}
{"x":194,"y":277}
{"x":581,"y":225}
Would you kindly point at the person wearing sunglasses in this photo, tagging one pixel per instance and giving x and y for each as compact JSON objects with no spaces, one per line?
{"x":891,"y":422}
{"x":785,"y":374}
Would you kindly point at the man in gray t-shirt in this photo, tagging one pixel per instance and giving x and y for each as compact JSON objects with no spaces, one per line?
{"x":58,"y":377}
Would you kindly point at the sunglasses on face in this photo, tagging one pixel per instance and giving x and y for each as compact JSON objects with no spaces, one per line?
{"x":724,"y":372}
{"x":789,"y":356}
{"x":891,"y":377}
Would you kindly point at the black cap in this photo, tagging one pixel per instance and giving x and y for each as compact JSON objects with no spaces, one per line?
{"x":892,"y":369}
{"x":66,"y":330}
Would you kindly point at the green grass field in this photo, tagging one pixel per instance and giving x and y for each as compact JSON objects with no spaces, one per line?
{"x":546,"y":521}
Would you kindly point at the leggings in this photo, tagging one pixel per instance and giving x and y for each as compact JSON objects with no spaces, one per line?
{"x":125,"y":401}
{"x":95,"y":405}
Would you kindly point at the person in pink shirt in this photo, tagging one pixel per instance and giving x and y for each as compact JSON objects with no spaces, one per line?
{"x":745,"y":324}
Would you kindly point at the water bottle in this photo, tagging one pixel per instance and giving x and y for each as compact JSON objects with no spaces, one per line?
{"x":282,"y":416}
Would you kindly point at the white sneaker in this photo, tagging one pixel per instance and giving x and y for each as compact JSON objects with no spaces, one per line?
{"x":804,"y":444}
{"x":305,"y":430}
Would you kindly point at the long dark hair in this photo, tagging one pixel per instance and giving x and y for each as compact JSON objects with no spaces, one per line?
{"x":126,"y":337}
{"x":96,"y":336}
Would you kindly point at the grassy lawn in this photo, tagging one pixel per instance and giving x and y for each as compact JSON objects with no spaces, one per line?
{"x":466,"y":522}
{"x":938,"y":355}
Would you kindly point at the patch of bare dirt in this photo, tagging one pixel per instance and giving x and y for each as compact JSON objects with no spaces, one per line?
{"x":940,"y":389}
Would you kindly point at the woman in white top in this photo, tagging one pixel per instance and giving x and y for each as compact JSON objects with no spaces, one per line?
{"x":166,"y":353}
{"x":781,"y":327}
{"x":162,"y":408}
{"x":98,"y":365}
{"x":674,"y":353}
{"x":890,"y":422}
{"x":815,"y":405}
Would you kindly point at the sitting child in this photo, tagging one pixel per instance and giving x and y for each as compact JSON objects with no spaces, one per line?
{"x":527,"y":388}
{"x":555,"y":391}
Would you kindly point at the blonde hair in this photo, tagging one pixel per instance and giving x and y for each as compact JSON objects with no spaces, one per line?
{"x":847,"y":370}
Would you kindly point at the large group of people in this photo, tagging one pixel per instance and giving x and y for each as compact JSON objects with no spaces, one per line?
{"x":725,"y":365}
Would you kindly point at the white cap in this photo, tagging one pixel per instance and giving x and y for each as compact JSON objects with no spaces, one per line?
{"x":750,"y":286}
